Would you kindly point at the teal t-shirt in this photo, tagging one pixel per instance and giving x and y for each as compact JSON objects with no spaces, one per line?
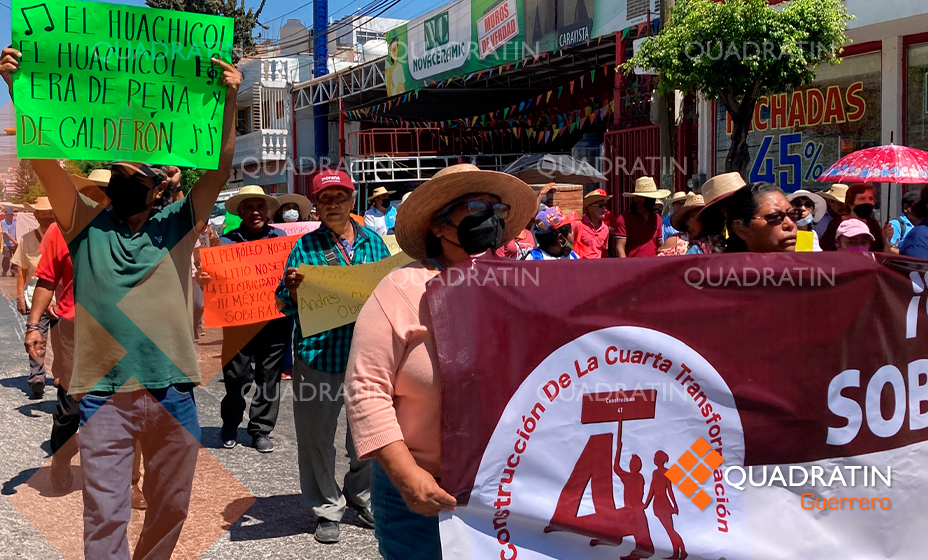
{"x":133,"y":299}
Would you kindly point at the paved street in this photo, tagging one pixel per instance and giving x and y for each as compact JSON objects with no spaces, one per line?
{"x":276,"y":525}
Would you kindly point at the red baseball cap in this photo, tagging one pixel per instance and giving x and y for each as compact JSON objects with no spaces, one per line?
{"x":331,"y":178}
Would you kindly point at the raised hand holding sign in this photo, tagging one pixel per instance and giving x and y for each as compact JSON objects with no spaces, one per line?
{"x":107,"y":81}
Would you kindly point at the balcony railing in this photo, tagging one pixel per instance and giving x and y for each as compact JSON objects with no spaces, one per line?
{"x":269,"y":72}
{"x":261,"y":145}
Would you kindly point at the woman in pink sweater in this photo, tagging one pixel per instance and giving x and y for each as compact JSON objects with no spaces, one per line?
{"x":393,"y":392}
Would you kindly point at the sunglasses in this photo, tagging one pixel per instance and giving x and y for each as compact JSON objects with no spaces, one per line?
{"x":776,"y":218}
{"x":479,"y":208}
{"x":600,"y":205}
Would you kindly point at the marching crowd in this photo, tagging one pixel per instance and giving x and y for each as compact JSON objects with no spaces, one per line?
{"x":107,"y":277}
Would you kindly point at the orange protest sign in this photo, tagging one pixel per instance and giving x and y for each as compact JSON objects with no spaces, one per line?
{"x":244,"y":277}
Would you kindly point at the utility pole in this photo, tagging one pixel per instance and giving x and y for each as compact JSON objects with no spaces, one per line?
{"x":666,"y":109}
{"x":321,"y":68}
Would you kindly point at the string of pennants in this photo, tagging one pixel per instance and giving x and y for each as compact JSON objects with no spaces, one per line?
{"x":540,"y":128}
{"x":501,"y":116}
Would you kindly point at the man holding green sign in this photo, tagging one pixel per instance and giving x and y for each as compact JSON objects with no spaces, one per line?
{"x":135,"y":363}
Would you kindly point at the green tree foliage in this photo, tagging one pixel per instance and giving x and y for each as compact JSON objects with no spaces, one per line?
{"x":740,"y":50}
{"x":245,"y":19}
{"x":87,"y":166}
{"x":189,"y":177}
{"x":27,"y":183}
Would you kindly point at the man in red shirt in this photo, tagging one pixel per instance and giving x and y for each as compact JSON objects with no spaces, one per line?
{"x":591,"y":234}
{"x":55,"y":276}
{"x":638,"y":231}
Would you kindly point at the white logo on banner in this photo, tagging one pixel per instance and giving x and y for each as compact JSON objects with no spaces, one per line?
{"x":911,"y":315}
{"x":575,"y":468}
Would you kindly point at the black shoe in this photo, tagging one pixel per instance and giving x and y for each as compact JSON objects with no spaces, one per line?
{"x":365,"y":515}
{"x":38,"y":389}
{"x":327,"y":532}
{"x":229,"y":438}
{"x":263,"y":444}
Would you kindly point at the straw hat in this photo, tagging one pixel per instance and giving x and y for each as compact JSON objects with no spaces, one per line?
{"x":414,"y":216}
{"x":837,"y":192}
{"x":100,"y":177}
{"x":719,"y":188}
{"x":694,"y":203}
{"x":41,"y":205}
{"x":305,"y":205}
{"x":379,"y":191}
{"x":251,"y":191}
{"x":595,"y":196}
{"x":679,"y":196}
{"x":646,"y":187}
{"x":820,"y":205}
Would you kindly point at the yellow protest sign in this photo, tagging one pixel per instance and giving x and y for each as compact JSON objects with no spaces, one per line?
{"x":805,"y":240}
{"x":392,"y":245}
{"x":332,"y":296}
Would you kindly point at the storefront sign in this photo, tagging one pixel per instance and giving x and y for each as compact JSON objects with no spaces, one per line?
{"x":796,"y":136}
{"x":498,"y":26}
{"x":599,"y":428}
{"x":106,"y":81}
{"x":473,"y":35}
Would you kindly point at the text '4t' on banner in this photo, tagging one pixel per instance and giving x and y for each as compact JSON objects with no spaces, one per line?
{"x":244,"y":277}
{"x":107,"y":81}
{"x":747,"y":407}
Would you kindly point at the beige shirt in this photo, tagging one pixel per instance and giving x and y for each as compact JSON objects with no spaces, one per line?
{"x":27,"y":255}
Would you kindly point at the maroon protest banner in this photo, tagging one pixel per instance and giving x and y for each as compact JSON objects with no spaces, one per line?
{"x":244,"y":279}
{"x":590,"y":404}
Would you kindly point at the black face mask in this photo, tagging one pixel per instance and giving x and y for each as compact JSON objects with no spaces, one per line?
{"x":127,"y":195}
{"x":649,"y":204}
{"x":864,"y":210}
{"x":480,"y":233}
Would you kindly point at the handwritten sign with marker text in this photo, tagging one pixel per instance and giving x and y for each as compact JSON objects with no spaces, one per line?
{"x":107,"y":81}
{"x":332,"y":296}
{"x":244,"y":279}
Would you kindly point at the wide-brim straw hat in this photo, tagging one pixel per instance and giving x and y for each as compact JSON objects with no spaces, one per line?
{"x":694,"y":203}
{"x":820,"y":205}
{"x":305,"y":205}
{"x":41,"y":205}
{"x":252,"y":191}
{"x":646,"y":187}
{"x":717,"y":189}
{"x":837,"y":192}
{"x":100,"y":177}
{"x":679,"y":196}
{"x":414,"y":216}
{"x":379,"y":191}
{"x":595,"y":196}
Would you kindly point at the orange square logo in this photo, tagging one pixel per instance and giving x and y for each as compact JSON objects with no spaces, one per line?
{"x":688,"y":487}
{"x":687,"y":461}
{"x":700,"y":460}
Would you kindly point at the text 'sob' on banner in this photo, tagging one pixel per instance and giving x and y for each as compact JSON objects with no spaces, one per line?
{"x":107,"y":81}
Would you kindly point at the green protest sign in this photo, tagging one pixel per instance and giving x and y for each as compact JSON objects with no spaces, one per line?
{"x":106,"y":81}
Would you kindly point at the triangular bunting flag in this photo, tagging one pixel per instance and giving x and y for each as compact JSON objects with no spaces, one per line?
{"x":521,"y":106}
{"x":593,"y":75}
{"x":581,"y":81}
{"x":505,"y":112}
{"x":572,"y":86}
{"x":538,"y":100}
{"x":548,"y":98}
{"x":559,"y":91}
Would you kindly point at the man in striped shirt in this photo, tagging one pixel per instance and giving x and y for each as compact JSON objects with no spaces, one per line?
{"x":321,"y":359}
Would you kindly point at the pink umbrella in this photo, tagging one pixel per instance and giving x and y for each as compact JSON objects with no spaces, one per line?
{"x":882,"y":164}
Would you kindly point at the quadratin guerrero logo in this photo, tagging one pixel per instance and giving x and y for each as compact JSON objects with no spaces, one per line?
{"x":698,"y":462}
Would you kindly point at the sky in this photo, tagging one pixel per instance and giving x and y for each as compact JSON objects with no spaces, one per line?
{"x":274,"y":15}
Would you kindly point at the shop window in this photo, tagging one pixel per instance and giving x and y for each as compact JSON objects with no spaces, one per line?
{"x":797,"y":135}
{"x":916,"y":114}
